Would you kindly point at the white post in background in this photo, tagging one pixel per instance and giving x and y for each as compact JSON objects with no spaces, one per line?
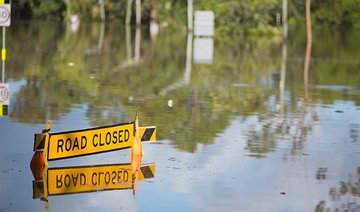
{"x":138,"y":12}
{"x":282,"y":76}
{"x":190,"y":14}
{"x":102,"y":10}
{"x":68,"y":11}
{"x":137,"y":44}
{"x":189,"y":47}
{"x":284,"y":18}
{"x":101,"y":36}
{"x":128,"y":12}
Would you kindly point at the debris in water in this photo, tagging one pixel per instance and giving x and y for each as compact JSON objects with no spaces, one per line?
{"x":131,"y":99}
{"x":170,"y":103}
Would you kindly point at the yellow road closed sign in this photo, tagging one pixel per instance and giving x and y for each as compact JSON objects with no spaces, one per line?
{"x":90,"y":141}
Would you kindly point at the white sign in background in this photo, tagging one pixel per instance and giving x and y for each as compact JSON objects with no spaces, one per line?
{"x":5,"y":14}
{"x":204,"y":23}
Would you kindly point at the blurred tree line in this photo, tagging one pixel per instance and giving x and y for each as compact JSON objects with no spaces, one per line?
{"x":260,"y":15}
{"x":89,"y":10}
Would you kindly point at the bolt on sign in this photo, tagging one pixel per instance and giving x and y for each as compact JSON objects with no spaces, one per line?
{"x":5,"y":13}
{"x":77,"y":143}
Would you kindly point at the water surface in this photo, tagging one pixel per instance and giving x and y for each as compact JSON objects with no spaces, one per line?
{"x":237,"y":129}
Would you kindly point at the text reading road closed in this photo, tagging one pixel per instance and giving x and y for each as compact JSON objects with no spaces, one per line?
{"x":87,"y":179}
{"x":90,"y":141}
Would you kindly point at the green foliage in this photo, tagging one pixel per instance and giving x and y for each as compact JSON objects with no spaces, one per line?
{"x":38,"y":9}
{"x":337,"y":13}
{"x":253,"y":16}
{"x":48,"y":8}
{"x":172,"y":12}
{"x":329,"y":12}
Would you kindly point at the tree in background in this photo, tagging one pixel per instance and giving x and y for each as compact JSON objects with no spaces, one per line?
{"x":308,"y":44}
{"x":26,"y":9}
{"x":254,"y":16}
{"x":328,"y":12}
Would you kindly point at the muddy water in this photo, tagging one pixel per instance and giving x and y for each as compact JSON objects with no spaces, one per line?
{"x":238,"y":127}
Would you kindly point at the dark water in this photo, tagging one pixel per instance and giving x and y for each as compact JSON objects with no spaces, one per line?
{"x":237,"y":128}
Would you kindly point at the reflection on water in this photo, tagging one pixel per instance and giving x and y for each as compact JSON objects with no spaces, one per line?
{"x":73,"y":180}
{"x":4,"y":99}
{"x":241,"y":128}
{"x":345,"y":190}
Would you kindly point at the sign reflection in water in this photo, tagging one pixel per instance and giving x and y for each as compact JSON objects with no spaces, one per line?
{"x":72,"y":180}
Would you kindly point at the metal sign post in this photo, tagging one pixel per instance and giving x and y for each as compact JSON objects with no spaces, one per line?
{"x":3,"y":54}
{"x":5,"y":18}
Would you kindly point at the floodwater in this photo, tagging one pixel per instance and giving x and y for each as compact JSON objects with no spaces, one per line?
{"x":238,"y":127}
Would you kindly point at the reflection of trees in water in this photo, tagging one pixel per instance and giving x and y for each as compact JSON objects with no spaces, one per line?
{"x":271,"y":128}
{"x":239,"y":83}
{"x":54,"y":101}
{"x":344,"y":196}
{"x":321,"y":173}
{"x":261,"y":141}
{"x":354,"y":132}
{"x":27,"y":98}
